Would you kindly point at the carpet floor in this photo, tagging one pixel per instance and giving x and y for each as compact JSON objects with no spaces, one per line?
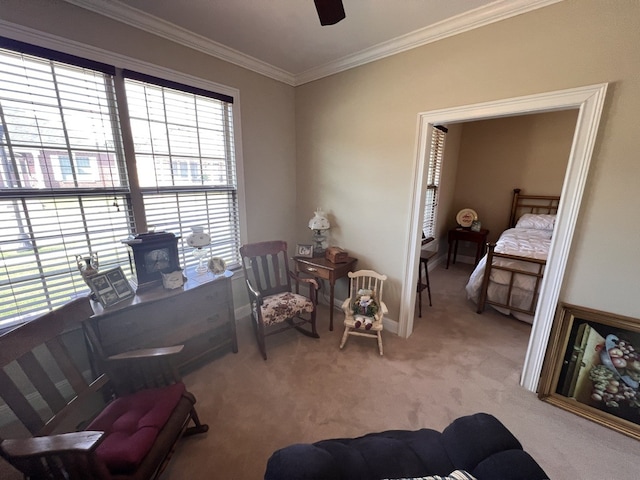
{"x":455,"y":363}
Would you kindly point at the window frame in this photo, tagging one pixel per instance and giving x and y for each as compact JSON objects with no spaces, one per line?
{"x":105,"y":59}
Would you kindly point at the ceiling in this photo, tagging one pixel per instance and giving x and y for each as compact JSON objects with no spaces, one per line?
{"x":283,"y":39}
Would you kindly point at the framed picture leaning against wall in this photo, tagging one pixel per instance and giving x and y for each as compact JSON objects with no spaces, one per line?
{"x":592,"y":367}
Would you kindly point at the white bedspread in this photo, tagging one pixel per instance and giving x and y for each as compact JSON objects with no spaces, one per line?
{"x":523,"y":242}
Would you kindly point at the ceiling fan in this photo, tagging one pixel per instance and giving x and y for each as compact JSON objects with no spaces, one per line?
{"x":330,"y":12}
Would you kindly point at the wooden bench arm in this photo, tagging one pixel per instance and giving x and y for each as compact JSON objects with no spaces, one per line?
{"x":147,"y":353}
{"x":67,"y":455}
{"x":144,"y":368}
{"x":83,"y":442}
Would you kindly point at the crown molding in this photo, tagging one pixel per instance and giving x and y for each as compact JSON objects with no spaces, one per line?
{"x":136,"y":18}
{"x":479,"y":17}
{"x":54,"y":42}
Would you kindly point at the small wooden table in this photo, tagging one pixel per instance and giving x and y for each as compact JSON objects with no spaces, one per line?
{"x":466,"y":235}
{"x":320,"y":267}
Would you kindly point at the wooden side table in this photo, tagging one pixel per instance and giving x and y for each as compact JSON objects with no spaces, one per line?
{"x":456,"y":234}
{"x":320,"y":267}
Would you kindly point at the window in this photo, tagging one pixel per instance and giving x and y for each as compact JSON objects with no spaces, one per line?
{"x":67,"y":188}
{"x":434,"y":169}
{"x":185,"y":161}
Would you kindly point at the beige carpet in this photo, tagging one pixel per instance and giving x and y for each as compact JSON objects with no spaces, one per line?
{"x":456,"y":363}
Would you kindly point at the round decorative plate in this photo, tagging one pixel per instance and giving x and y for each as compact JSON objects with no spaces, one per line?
{"x":466,"y":217}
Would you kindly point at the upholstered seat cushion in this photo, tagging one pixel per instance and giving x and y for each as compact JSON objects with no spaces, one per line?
{"x":132,"y":423}
{"x":282,"y":306}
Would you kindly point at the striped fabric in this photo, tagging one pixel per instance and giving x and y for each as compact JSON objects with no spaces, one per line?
{"x":455,"y":475}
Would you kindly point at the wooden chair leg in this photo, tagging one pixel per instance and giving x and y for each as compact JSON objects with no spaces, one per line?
{"x":259,"y":331}
{"x":198,"y":426}
{"x":380,"y":342}
{"x":313,"y":324}
{"x":345,"y":335}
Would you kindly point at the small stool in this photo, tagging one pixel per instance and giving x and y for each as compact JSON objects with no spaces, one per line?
{"x":425,"y":255}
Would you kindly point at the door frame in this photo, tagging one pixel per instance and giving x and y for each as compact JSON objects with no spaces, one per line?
{"x":589,"y":100}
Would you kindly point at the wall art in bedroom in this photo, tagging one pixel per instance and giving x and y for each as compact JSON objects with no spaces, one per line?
{"x":592,"y":367}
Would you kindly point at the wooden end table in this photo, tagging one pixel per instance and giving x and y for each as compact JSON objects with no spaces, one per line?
{"x":322,"y":268}
{"x":466,"y":235}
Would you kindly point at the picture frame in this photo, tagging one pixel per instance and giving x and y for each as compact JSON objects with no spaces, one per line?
{"x":110,"y":286}
{"x":592,"y":367}
{"x":304,"y":250}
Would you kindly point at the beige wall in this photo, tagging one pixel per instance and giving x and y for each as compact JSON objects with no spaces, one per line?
{"x":357,"y":133}
{"x":530,"y":152}
{"x":347,"y":143}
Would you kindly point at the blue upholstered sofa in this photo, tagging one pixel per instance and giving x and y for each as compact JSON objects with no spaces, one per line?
{"x":478,"y":444}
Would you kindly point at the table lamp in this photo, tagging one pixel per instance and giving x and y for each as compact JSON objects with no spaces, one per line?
{"x":198,"y":239}
{"x":319,"y":224}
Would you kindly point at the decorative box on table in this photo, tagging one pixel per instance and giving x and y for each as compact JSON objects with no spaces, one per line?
{"x":336,"y":255}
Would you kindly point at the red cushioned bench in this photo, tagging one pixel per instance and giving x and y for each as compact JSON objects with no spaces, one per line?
{"x":78,"y":415}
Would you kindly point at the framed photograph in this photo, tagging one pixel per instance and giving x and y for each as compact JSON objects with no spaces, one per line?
{"x":111,"y":286}
{"x":304,"y":250}
{"x":592,"y":367}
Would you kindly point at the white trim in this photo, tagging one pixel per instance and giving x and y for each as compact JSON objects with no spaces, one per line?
{"x":589,"y":100}
{"x":479,"y":17}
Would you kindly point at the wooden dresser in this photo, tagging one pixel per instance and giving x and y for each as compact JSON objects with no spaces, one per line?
{"x":199,"y":315}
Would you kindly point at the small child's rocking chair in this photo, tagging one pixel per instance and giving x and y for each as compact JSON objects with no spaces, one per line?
{"x":364,"y":308}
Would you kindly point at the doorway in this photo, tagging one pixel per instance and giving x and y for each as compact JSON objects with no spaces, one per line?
{"x":589,"y":101}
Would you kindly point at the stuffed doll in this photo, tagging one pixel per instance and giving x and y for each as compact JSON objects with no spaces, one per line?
{"x":364,"y":308}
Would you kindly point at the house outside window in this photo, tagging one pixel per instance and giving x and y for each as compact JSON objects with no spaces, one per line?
{"x":67,"y":188}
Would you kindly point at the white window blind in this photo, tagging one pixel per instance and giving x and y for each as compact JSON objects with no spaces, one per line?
{"x":185,"y":163}
{"x":66,"y":188}
{"x":63,"y":188}
{"x":434,"y":169}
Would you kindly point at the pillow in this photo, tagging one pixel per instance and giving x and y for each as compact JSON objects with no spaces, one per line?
{"x":537,"y":221}
{"x":455,"y":475}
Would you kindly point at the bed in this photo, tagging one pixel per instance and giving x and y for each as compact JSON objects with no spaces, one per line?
{"x":509,"y":276}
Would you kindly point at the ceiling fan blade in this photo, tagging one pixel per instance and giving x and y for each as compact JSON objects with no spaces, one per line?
{"x":330,"y":12}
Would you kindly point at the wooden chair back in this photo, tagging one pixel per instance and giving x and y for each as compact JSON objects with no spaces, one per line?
{"x":266,"y":266}
{"x":44,"y":366}
{"x":51,"y":389}
{"x":366,"y":279}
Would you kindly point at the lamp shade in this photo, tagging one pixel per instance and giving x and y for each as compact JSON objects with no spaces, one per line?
{"x":198,"y":238}
{"x":319,"y":221}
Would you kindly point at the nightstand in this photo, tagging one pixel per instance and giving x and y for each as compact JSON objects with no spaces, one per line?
{"x":466,"y":235}
{"x":320,"y":267}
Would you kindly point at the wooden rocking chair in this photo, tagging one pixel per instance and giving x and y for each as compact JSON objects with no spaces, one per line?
{"x":55,"y":387}
{"x":274,"y":306}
